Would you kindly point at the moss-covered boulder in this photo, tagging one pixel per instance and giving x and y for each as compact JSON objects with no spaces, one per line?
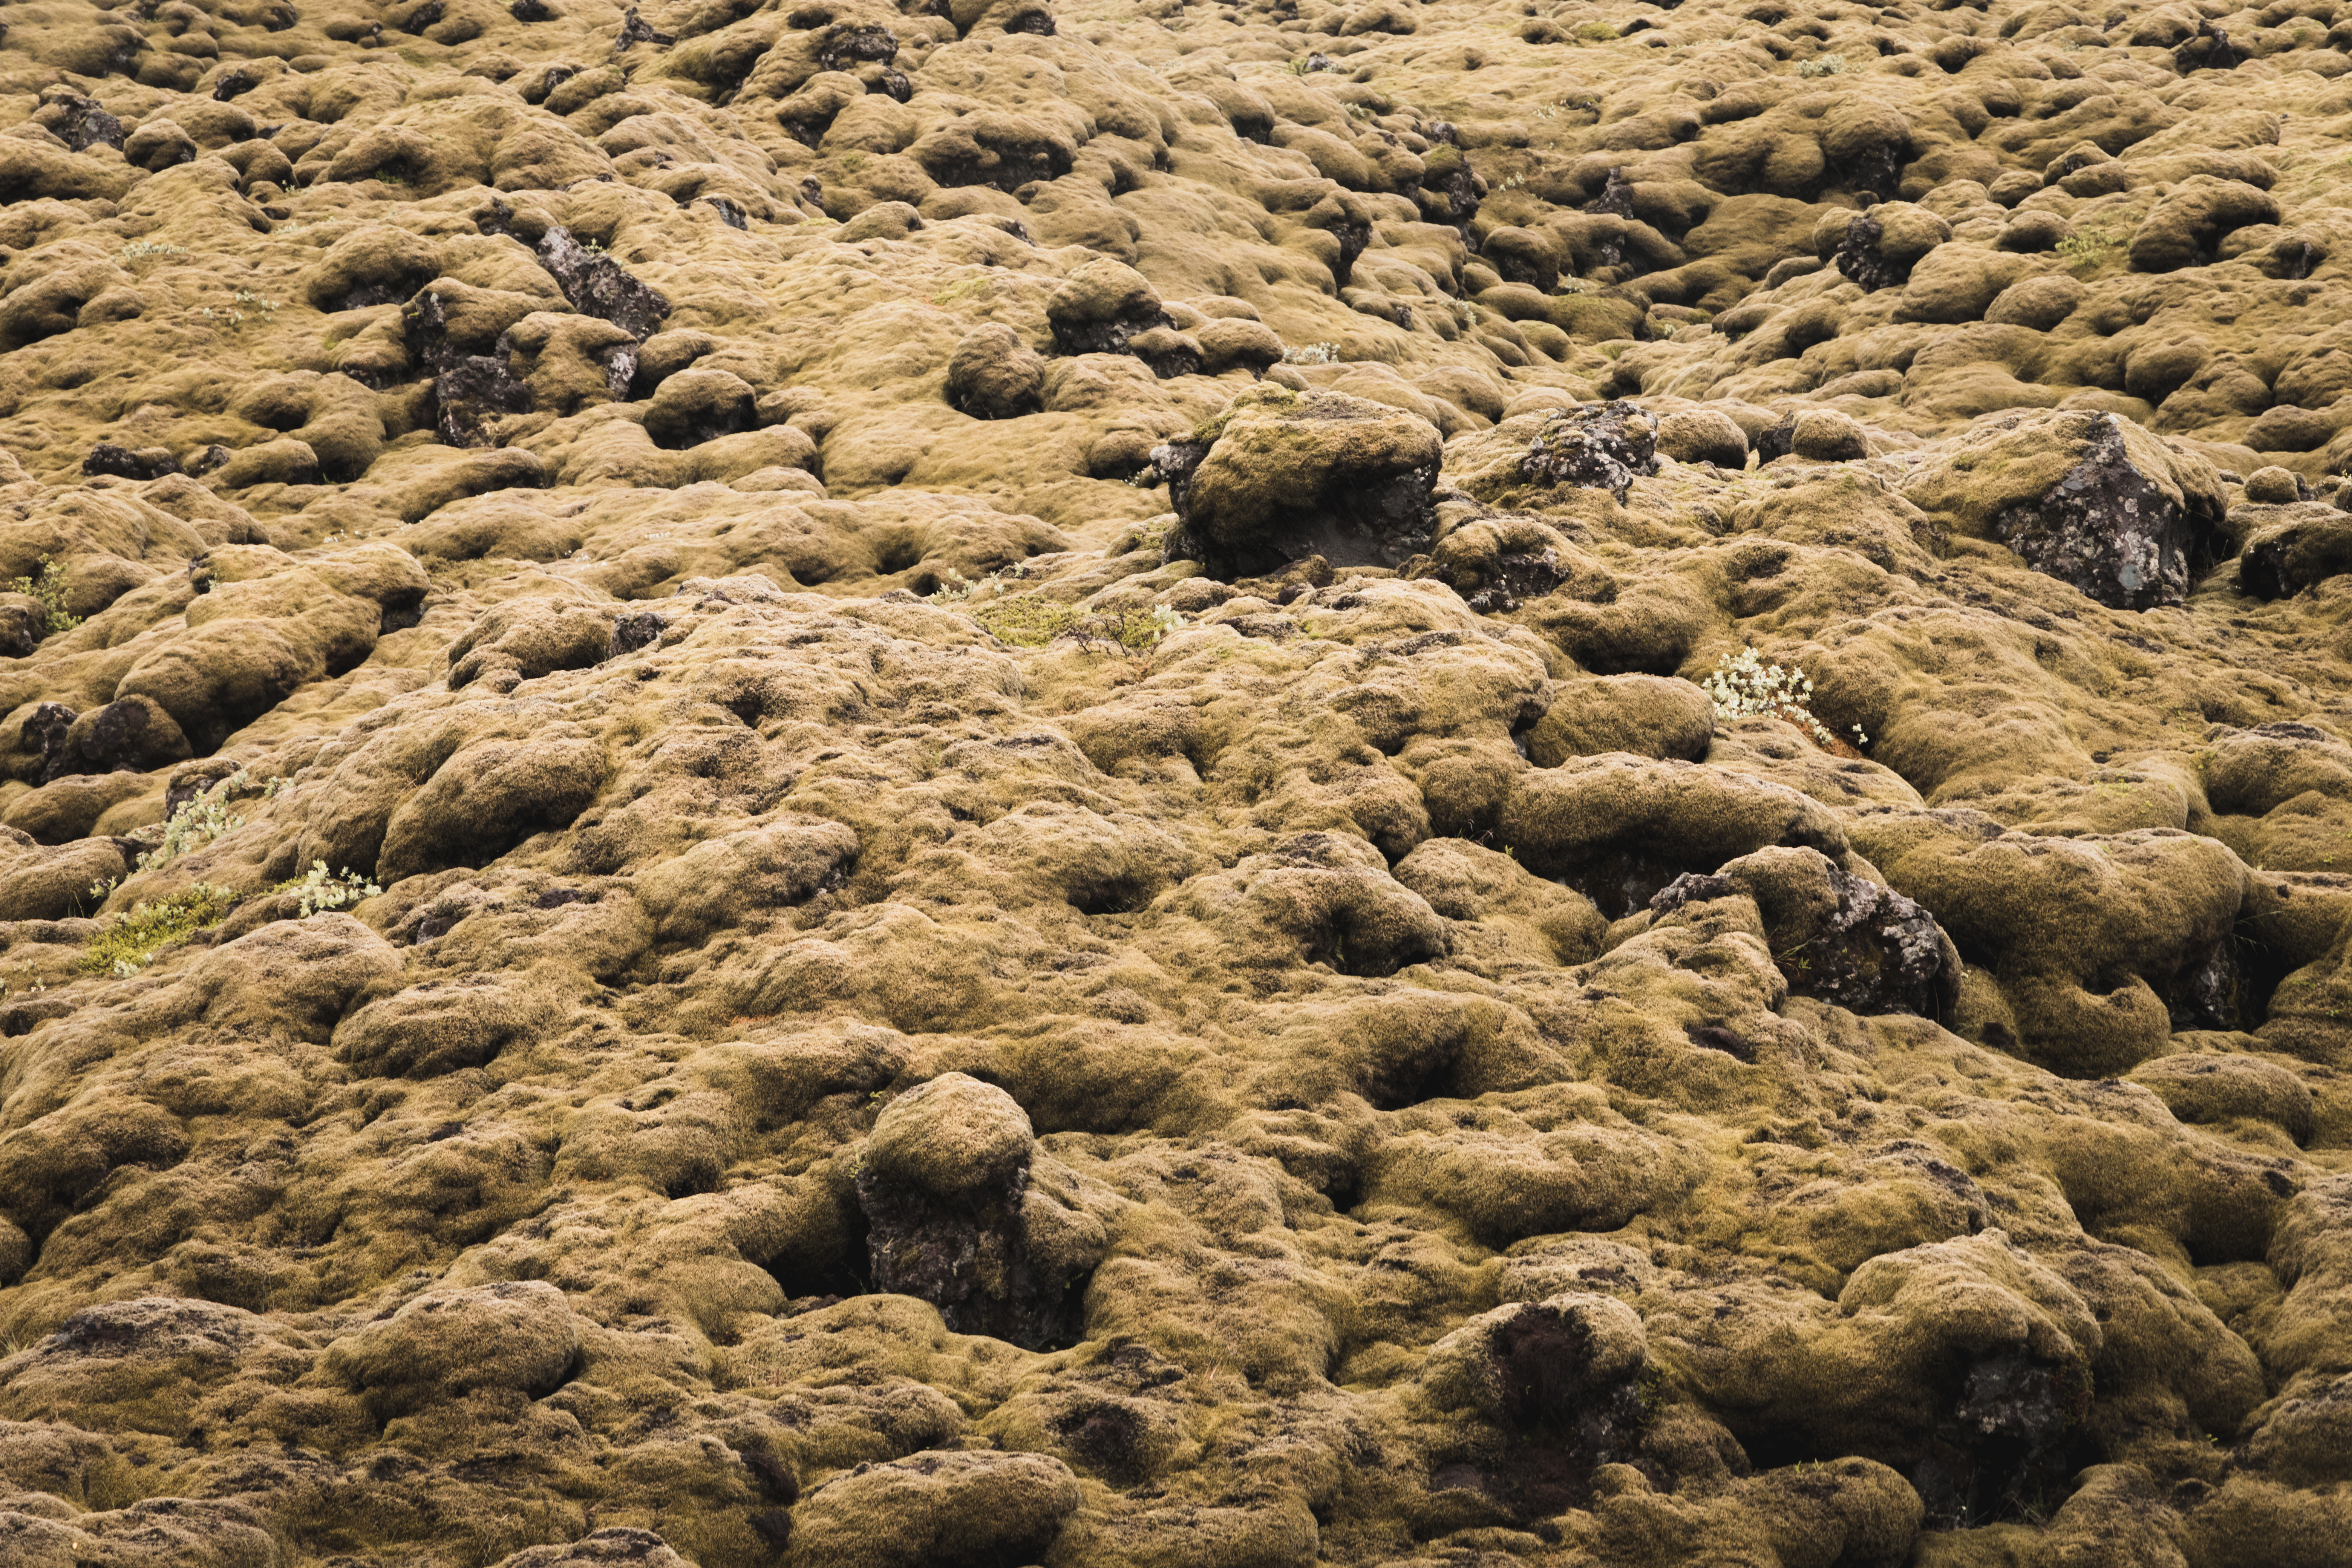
{"x":1281,"y":476}
{"x":2090,"y":498}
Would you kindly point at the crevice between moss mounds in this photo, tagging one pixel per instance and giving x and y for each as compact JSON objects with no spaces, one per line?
{"x":1101,"y":307}
{"x":2103,"y":946}
{"x":944,"y":1186}
{"x":2283,"y":559}
{"x":937,"y":1508}
{"x":2007,"y":1439}
{"x":1281,"y":477}
{"x":1620,"y":829}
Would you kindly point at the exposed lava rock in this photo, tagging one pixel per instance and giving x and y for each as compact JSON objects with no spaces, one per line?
{"x":2090,"y":500}
{"x":122,"y":463}
{"x":1834,"y":935}
{"x":599,"y":286}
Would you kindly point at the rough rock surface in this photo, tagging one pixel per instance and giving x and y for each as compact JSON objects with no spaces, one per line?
{"x":934,"y":782}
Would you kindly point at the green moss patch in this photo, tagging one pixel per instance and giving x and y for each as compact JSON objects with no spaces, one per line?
{"x":131,"y":942}
{"x":1027,"y":621}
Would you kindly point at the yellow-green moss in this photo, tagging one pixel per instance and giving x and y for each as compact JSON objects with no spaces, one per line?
{"x":1027,"y":621}
{"x":131,"y":942}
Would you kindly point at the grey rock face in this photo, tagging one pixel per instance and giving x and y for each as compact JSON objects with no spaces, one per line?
{"x":1604,"y":449}
{"x":2111,"y":531}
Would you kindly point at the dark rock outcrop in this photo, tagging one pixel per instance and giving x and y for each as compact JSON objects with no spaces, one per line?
{"x":599,"y":286}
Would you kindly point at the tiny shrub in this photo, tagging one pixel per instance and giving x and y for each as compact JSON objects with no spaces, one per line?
{"x":244,"y":306}
{"x":50,"y":588}
{"x":196,"y":824}
{"x":323,"y":890}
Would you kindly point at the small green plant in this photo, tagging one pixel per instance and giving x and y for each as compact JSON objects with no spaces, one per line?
{"x":50,"y":588}
{"x":1572,"y":285}
{"x":244,"y":306}
{"x":1312,"y":353}
{"x":1744,"y":684}
{"x":130,"y":942}
{"x":1027,"y":621}
{"x":322,"y":889}
{"x":1822,"y":65}
{"x":140,"y":250}
{"x":1156,"y":627}
{"x":196,"y":824}
{"x":1596,"y":33}
{"x":953,"y":589}
{"x":2093,"y":247}
{"x":956,"y":588}
{"x":1361,"y":112}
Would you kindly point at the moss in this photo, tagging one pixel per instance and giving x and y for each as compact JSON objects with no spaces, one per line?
{"x":1266,"y":394}
{"x":131,"y":942}
{"x":2083,"y":250}
{"x":971,"y":287}
{"x":1027,"y":621}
